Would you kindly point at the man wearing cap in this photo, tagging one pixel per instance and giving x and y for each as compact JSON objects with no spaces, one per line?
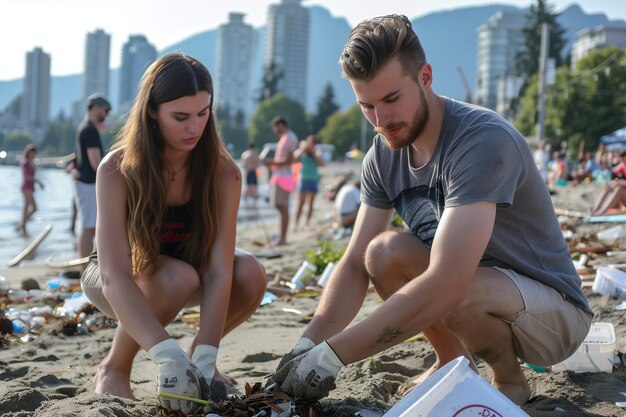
{"x":88,"y":155}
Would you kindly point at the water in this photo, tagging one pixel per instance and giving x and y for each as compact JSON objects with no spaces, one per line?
{"x":54,"y":206}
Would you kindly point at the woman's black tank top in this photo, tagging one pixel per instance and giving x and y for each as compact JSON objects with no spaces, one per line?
{"x":175,"y":229}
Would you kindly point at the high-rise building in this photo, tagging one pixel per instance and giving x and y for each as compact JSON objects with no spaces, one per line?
{"x":287,"y":47}
{"x":36,"y":96}
{"x":96,"y":68}
{"x":590,"y":39}
{"x":137,"y":55}
{"x":499,"y":41}
{"x":235,"y":50}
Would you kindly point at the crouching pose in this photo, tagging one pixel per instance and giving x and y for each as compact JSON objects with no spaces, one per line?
{"x":167,"y":197}
{"x":484,"y":267}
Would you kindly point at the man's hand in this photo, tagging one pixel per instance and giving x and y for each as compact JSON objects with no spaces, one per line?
{"x":178,"y":376}
{"x":302,"y":346}
{"x":311,"y":375}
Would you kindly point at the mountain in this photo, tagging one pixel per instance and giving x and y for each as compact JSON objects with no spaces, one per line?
{"x":446,"y":49}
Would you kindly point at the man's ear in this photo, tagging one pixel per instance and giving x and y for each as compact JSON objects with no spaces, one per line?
{"x":426,"y":75}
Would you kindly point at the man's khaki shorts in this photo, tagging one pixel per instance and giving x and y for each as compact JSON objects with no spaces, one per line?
{"x":549,"y":329}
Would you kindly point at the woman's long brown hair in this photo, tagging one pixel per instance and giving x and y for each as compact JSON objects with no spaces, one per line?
{"x":170,"y":77}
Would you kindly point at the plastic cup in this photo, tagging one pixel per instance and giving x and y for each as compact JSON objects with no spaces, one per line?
{"x":611,"y":282}
{"x":305,"y":270}
{"x":330,"y":267}
{"x":611,"y":234}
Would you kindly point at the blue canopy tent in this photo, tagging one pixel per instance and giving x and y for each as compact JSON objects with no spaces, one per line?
{"x":615,"y":140}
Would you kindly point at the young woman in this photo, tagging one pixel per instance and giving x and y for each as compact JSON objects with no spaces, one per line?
{"x":167,"y":200}
{"x":28,"y":186}
{"x":309,"y":176}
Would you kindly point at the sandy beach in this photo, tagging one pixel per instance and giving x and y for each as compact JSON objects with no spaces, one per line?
{"x":51,"y":374}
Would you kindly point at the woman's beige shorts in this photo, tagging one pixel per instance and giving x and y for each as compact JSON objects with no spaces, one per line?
{"x":92,"y":287}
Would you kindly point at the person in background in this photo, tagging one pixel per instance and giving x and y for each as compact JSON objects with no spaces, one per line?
{"x":483,"y":268}
{"x":250,"y":162}
{"x":558,"y":174}
{"x":168,"y":195}
{"x":347,"y":204}
{"x":72,"y":227}
{"x":309,"y":177}
{"x":29,"y":180}
{"x":541,"y":157}
{"x":613,"y":194}
{"x":282,"y":180}
{"x":89,"y":153}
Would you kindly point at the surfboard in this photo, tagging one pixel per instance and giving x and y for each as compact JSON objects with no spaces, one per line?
{"x":31,"y":247}
{"x":50,"y":263}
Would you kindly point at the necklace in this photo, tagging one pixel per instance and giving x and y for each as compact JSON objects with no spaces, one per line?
{"x":173,"y":171}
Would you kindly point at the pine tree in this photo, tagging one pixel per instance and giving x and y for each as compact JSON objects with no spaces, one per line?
{"x":325,"y":107}
{"x":527,"y":60}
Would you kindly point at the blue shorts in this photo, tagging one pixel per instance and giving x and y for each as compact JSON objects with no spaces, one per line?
{"x":251,"y":177}
{"x":308,"y":185}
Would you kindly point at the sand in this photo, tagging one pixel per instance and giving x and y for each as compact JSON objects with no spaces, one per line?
{"x":51,"y":375}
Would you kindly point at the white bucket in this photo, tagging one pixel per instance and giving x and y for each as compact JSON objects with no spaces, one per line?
{"x":611,"y":282}
{"x":455,"y":390}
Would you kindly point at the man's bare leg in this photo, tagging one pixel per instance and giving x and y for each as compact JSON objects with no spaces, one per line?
{"x":476,"y":321}
{"x":392,"y":260}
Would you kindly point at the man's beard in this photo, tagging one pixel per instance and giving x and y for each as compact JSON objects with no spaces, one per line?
{"x":420,"y":118}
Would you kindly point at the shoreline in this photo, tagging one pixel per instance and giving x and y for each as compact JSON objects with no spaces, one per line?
{"x":52,"y":373}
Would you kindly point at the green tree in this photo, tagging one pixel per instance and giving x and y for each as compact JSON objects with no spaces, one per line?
{"x":344,"y":129}
{"x":325,"y":107}
{"x":269,"y":83}
{"x":279,"y":105}
{"x":17,"y":141}
{"x":527,"y":60}
{"x":59,"y":138}
{"x":582,"y":105}
{"x":231,"y":128}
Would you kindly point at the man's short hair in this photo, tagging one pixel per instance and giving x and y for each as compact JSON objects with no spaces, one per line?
{"x":373,"y":43}
{"x":98,"y":100}
{"x":278,"y":120}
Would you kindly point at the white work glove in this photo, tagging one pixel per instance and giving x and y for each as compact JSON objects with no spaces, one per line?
{"x":177,"y":375}
{"x":204,"y":357}
{"x":311,"y":375}
{"x":304,"y":344}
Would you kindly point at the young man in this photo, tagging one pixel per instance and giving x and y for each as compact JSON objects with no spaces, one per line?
{"x":484,"y":268}
{"x":282,"y":180}
{"x":88,"y":156}
{"x":250,"y":162}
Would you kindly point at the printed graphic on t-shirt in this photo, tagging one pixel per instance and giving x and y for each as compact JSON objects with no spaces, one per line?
{"x":420,"y":208}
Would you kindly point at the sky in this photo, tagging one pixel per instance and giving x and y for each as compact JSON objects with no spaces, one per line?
{"x":60,"y":27}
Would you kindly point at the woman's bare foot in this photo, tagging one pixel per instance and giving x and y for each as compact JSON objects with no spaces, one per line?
{"x":114,"y":382}
{"x":228,"y":380}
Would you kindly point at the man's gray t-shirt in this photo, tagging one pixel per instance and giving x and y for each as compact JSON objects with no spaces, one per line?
{"x":479,"y":157}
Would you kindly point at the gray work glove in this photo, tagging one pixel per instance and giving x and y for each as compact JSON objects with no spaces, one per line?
{"x":312,"y":375}
{"x":178,"y":376}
